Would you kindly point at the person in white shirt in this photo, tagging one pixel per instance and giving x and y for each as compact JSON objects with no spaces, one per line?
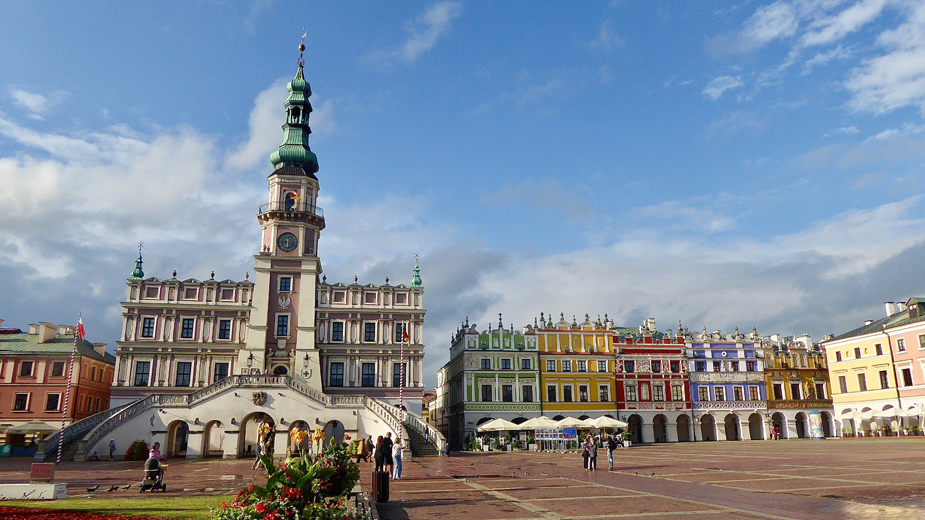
{"x":396,"y":457}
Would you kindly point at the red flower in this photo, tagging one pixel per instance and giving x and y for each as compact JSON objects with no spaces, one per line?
{"x":260,"y":508}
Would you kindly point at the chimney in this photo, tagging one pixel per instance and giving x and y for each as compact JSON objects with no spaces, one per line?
{"x":33,"y":329}
{"x":868,"y":322}
{"x":100,"y":348}
{"x":900,"y":307}
{"x":890,"y":308}
{"x":47,"y":331}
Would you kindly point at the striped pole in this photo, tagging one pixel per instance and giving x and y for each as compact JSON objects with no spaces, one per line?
{"x":401,"y":381}
{"x":67,"y":394}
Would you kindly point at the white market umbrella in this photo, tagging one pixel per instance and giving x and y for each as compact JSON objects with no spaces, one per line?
{"x":571,"y":422}
{"x":605,"y":422}
{"x":538,"y":423}
{"x":498,"y":425}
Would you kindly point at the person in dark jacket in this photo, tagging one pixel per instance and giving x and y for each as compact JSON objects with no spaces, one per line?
{"x":379,"y":454}
{"x":611,"y":445}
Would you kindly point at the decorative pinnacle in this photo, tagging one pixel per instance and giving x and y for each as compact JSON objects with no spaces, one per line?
{"x":302,"y":47}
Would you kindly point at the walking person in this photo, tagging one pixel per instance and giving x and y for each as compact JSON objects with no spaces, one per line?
{"x":611,"y":445}
{"x":112,"y":449}
{"x":591,"y":446}
{"x":396,"y":457}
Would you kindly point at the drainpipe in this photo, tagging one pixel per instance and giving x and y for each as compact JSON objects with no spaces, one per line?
{"x":889,"y":344}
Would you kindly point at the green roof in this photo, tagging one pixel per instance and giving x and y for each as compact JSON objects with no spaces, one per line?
{"x":25,"y":343}
{"x":294,"y":150}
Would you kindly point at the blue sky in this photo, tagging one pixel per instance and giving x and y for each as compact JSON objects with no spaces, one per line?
{"x":722,"y":164}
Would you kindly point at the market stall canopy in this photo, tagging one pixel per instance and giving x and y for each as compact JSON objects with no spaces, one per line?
{"x":604,"y":422}
{"x":538,"y":423}
{"x":888,"y":413}
{"x":31,"y":427}
{"x":571,"y":422}
{"x":498,"y":425}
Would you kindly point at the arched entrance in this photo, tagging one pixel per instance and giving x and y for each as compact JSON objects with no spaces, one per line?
{"x":280,"y":371}
{"x":556,"y":418}
{"x":684,"y":428}
{"x":802,"y":429}
{"x":177,"y":437}
{"x":826,"y":424}
{"x":731,"y":423}
{"x":707,"y":428}
{"x":247,"y":433}
{"x":634,"y":426}
{"x":755,"y":427}
{"x":301,"y":426}
{"x":334,"y":430}
{"x":779,"y":422}
{"x":519,"y":420}
{"x":659,"y":428}
{"x":213,"y":439}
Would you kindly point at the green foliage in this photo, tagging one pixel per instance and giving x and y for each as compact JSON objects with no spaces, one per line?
{"x":137,"y":451}
{"x":531,"y":439}
{"x":517,"y":444}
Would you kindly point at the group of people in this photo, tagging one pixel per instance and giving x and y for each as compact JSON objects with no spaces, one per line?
{"x":386,"y":454}
{"x":589,"y":452}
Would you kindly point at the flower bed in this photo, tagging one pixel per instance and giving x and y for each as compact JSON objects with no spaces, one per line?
{"x":20,"y":513}
{"x":301,"y":488}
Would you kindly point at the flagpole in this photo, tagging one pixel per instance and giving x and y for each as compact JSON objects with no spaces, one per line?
{"x":67,"y":393}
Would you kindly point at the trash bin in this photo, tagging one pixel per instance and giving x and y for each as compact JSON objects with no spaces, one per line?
{"x":380,"y":486}
{"x":6,"y":450}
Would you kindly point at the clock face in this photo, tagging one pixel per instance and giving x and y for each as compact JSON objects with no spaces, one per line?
{"x":287,"y":242}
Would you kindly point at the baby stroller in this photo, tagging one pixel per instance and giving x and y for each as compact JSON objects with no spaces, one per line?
{"x":154,"y":476}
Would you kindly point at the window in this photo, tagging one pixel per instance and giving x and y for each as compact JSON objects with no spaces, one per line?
{"x":184,"y":369}
{"x":219,"y":372}
{"x":629,"y":366}
{"x":57,"y":369}
{"x":749,"y":366}
{"x":583,"y":393}
{"x":551,"y":393}
{"x":582,"y":365}
{"x":922,"y":341}
{"x":703,"y":394}
{"x":862,"y":382}
{"x":820,"y":391}
{"x":720,"y":393}
{"x":224,"y":329}
{"x":186,"y":331}
{"x":527,"y":392}
{"x":738,"y":394}
{"x":884,"y":380}
{"x":369,"y":332}
{"x":778,"y":391}
{"x":901,"y":345}
{"x":398,"y":369}
{"x":505,"y":364}
{"x":795,"y":391}
{"x":630,"y":392}
{"x":857,"y":352}
{"x":879,"y":348}
{"x":907,"y":377}
{"x":603,"y":393}
{"x":93,"y":373}
{"x":282,"y":325}
{"x":337,"y":331}
{"x":658,"y":392}
{"x":566,"y":366}
{"x":677,"y":393}
{"x":843,"y":384}
{"x":486,"y":364}
{"x":717,"y":366}
{"x":398,"y":332}
{"x":486,"y":393}
{"x":147,"y":327}
{"x":567,"y":394}
{"x":369,"y":375}
{"x":838,"y":356}
{"x":337,"y":374}
{"x":601,"y":366}
{"x":656,"y":367}
{"x":142,"y":370}
{"x":285,"y":283}
{"x":675,"y":367}
{"x":550,"y":365}
{"x":25,"y":368}
{"x":525,"y":364}
{"x":643,"y":392}
{"x":51,"y":402}
{"x":753,"y":393}
{"x":700,"y":366}
{"x":20,"y":402}
{"x":734,"y":366}
{"x":507,"y":393}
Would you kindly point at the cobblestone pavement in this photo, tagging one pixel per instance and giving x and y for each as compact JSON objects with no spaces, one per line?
{"x":837,"y":479}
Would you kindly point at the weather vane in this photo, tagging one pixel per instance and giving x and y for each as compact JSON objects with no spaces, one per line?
{"x":302,"y":46}
{"x":140,"y":244}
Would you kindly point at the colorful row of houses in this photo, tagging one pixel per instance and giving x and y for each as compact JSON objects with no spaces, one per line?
{"x":668,"y":386}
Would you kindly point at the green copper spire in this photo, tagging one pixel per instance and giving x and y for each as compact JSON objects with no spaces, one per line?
{"x":416,"y":279}
{"x":137,"y":273}
{"x":294,"y":151}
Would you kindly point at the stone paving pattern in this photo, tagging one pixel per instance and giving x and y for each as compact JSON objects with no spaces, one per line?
{"x":837,"y":479}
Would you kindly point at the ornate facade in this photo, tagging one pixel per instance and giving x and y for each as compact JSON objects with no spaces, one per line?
{"x":797,"y":382}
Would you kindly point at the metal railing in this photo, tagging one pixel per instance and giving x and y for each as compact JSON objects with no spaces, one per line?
{"x":299,"y":207}
{"x":125,"y":414}
{"x":75,"y":430}
{"x":388,"y":413}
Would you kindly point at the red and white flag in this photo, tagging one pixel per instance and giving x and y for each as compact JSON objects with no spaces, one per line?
{"x":80,"y":328}
{"x":404,"y":335}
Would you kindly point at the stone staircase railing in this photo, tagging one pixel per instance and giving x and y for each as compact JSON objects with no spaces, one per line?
{"x":430,"y":433}
{"x":389,"y":414}
{"x":48,"y":447}
{"x":124,"y":414}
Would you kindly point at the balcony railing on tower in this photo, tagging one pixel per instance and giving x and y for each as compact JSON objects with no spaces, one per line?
{"x":291,"y":206}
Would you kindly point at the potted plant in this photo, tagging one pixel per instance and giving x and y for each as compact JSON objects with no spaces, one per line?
{"x":627,"y":439}
{"x":486,"y":443}
{"x":507,"y":442}
{"x":531,"y":442}
{"x":496,"y":445}
{"x":517,"y":444}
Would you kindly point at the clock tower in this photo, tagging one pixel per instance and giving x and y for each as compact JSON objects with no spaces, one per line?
{"x":281,"y":335}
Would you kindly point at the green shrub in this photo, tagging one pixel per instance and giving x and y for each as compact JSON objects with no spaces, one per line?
{"x":137,"y":451}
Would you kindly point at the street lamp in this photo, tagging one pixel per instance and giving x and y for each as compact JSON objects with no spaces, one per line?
{"x":250,"y":359}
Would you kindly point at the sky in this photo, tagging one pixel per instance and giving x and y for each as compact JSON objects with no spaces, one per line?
{"x":718,"y":164}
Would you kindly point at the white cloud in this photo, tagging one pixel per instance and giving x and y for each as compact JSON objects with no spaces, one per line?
{"x":845,"y":130}
{"x":769,"y":23}
{"x":823,"y":58}
{"x":423,"y":33}
{"x":833,"y":28}
{"x":36,"y":104}
{"x":687,"y":216}
{"x":714,"y":90}
{"x":544,"y":195}
{"x":607,"y":39}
